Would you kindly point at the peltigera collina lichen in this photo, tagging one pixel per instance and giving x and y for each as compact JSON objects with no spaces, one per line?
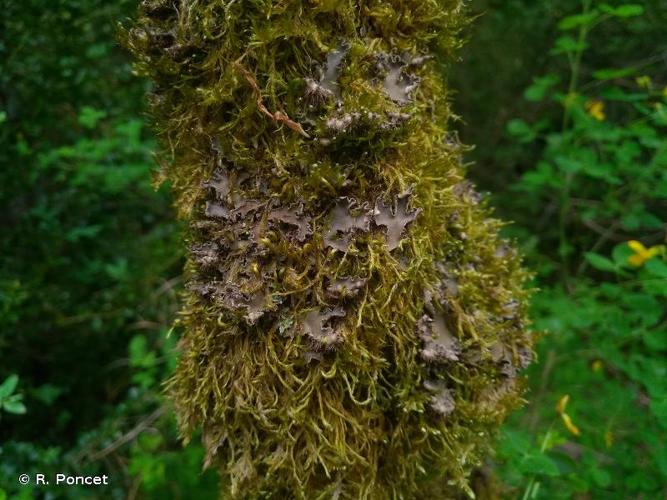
{"x":353,"y":324}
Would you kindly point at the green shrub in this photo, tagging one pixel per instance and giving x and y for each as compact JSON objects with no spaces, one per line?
{"x":591,"y":214}
{"x":89,"y":258}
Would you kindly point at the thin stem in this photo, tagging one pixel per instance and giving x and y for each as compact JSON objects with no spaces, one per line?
{"x":543,"y":447}
{"x":565,"y":205}
{"x":575,"y":64}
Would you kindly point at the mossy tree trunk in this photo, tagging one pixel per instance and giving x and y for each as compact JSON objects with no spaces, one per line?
{"x":353,"y":325}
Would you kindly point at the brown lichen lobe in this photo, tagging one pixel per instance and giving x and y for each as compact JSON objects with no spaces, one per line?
{"x":344,"y":224}
{"x":353,"y":325}
{"x":395,"y":221}
{"x":442,"y":401}
{"x":317,"y":326}
{"x":346,"y":287}
{"x":439,"y":345}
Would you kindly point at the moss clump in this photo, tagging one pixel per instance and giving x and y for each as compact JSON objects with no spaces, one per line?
{"x":353,"y":324}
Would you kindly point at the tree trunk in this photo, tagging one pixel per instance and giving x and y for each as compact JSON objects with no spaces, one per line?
{"x":353,"y":325}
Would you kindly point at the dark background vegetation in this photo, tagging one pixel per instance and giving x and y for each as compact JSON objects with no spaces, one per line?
{"x":90,"y":256}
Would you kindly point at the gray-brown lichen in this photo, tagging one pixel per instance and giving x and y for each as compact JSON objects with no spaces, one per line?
{"x":353,"y":324}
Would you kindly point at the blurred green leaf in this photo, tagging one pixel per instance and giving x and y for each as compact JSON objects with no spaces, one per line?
{"x":540,"y":87}
{"x":613,"y":73}
{"x":14,"y":405}
{"x":601,"y":477}
{"x":577,"y":20}
{"x":624,"y":11}
{"x":659,"y":409}
{"x":89,"y":117}
{"x":47,"y":393}
{"x":82,"y":232}
{"x":657,"y":268}
{"x":521,"y":130}
{"x":537,"y":463}
{"x":8,"y":386}
{"x":621,"y":253}
{"x":599,"y":262}
{"x":568,"y":45}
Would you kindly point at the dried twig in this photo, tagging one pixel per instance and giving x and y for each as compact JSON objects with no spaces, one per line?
{"x":278,"y":116}
{"x":128,"y":436}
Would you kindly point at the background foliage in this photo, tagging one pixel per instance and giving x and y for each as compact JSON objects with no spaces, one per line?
{"x":566,"y":102}
{"x":571,"y":141}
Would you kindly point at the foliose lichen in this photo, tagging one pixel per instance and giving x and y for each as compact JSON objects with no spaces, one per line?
{"x":353,"y":324}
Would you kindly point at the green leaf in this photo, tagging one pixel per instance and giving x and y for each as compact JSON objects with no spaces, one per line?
{"x":617,"y":94}
{"x":627,"y":10}
{"x":571,"y":22}
{"x":521,"y":130}
{"x":537,"y":463}
{"x":601,"y":477}
{"x":599,"y":262}
{"x":567,"y":44}
{"x":3,"y":117}
{"x":8,"y":386}
{"x":659,"y":409}
{"x":542,"y":176}
{"x":47,"y":393}
{"x":150,"y":442}
{"x":657,"y":268}
{"x":15,"y":407}
{"x":569,"y":164}
{"x":88,"y":117}
{"x":630,"y":10}
{"x":621,"y":253}
{"x":98,"y":50}
{"x":515,"y":442}
{"x":655,"y":340}
{"x":138,"y":349}
{"x":612,"y":74}
{"x":118,"y":269}
{"x":81,"y":232}
{"x":540,"y":87}
{"x":639,"y":219}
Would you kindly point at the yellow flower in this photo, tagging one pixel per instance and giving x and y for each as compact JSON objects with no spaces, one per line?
{"x":567,"y":420}
{"x":597,"y":366}
{"x":595,"y":108}
{"x":569,"y":425}
{"x":562,"y":403}
{"x":642,"y":254}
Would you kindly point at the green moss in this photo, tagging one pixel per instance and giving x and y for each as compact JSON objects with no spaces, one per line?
{"x":353,"y":323}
